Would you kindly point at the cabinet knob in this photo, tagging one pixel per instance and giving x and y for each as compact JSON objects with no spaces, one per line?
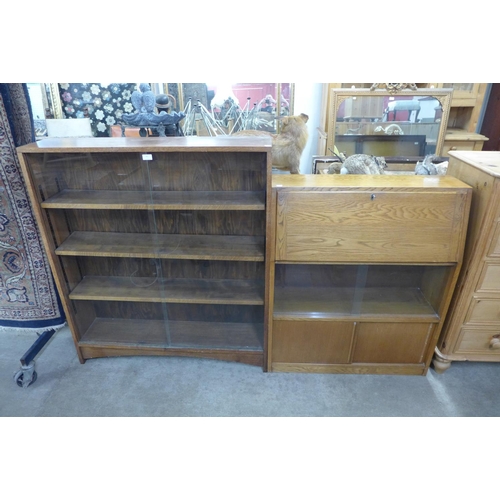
{"x":495,"y":342}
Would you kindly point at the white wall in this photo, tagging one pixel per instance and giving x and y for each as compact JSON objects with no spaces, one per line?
{"x":308,"y":100}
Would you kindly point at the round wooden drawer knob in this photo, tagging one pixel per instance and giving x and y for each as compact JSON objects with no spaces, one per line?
{"x":495,"y":343}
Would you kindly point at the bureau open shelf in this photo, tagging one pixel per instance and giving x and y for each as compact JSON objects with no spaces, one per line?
{"x":358,"y":292}
{"x":158,"y":245}
{"x":394,"y":304}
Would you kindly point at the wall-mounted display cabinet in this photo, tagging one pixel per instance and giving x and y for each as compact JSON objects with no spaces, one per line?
{"x":157,"y":246}
{"x":362,"y":270}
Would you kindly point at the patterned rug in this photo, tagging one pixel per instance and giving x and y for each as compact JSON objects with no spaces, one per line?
{"x":28,"y":297}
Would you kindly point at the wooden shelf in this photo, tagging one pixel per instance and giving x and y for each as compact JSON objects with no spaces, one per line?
{"x":189,"y":291}
{"x":174,"y":334}
{"x":163,"y":246}
{"x":157,"y":200}
{"x":376,"y":303}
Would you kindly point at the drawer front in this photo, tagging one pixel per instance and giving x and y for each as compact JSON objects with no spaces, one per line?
{"x":461,"y":146}
{"x":494,"y":250}
{"x":319,"y":342}
{"x":490,"y":278}
{"x":483,"y":341}
{"x":484,"y":310}
{"x":365,"y":226}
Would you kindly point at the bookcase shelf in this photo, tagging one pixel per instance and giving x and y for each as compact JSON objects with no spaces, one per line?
{"x":171,"y":246}
{"x":157,"y":200}
{"x":175,"y":334}
{"x":152,"y":289}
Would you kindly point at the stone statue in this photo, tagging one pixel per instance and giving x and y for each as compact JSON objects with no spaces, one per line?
{"x":144,"y":102}
{"x":428,"y":167}
{"x":363,"y":164}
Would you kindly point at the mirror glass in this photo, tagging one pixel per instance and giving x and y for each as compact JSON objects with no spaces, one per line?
{"x":45,"y":104}
{"x":211,"y":108}
{"x":226,"y":108}
{"x":381,"y":123}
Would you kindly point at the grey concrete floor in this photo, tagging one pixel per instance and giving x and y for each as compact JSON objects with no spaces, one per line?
{"x":186,"y":387}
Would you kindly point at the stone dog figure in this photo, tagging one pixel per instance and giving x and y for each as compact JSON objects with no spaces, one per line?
{"x":289,"y":144}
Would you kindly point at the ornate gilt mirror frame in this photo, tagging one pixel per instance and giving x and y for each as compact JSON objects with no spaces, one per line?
{"x":360,"y":124}
{"x":52,"y":99}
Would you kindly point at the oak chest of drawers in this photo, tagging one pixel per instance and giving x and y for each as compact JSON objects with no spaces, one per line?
{"x":472,"y":327}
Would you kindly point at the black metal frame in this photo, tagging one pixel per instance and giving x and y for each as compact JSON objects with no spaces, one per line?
{"x":37,"y":346}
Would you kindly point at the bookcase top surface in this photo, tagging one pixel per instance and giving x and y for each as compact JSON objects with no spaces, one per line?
{"x":357,"y":182}
{"x":149,"y":144}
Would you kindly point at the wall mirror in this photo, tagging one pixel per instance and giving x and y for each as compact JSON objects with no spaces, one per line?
{"x":211,"y":108}
{"x":45,"y":104}
{"x":225,"y":108}
{"x":381,"y":122}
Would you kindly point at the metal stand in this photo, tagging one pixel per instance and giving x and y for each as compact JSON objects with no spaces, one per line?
{"x":238,"y":119}
{"x":27,"y":374}
{"x":242,"y":118}
{"x":192,"y":111}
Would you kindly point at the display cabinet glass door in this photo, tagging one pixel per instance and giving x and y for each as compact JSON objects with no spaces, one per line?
{"x":209,"y":216}
{"x":99,"y":209}
{"x":148,"y":258}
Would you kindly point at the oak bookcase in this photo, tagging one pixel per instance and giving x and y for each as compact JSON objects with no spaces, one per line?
{"x":157,"y":245}
{"x":362,"y":270}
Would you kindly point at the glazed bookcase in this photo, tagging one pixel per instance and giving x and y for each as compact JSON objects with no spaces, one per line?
{"x":157,"y":245}
{"x":362,"y":270}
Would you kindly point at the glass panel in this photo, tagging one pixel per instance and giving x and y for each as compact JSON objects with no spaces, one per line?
{"x":388,"y":125}
{"x":210,"y":224}
{"x":98,"y":206}
{"x":359,"y":291}
{"x":164,"y":249}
